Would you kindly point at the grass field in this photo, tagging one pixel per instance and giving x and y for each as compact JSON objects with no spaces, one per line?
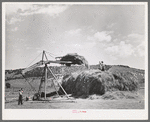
{"x":114,"y":100}
{"x":109,"y":100}
{"x":130,"y":103}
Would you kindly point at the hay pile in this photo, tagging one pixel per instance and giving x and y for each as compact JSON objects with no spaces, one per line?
{"x":90,"y":82}
{"x":75,"y":59}
{"x":116,"y":95}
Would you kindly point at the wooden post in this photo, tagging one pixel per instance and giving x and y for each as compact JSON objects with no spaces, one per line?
{"x":45,"y":79}
{"x":54,"y":77}
{"x":43,"y":56}
{"x":57,"y":82}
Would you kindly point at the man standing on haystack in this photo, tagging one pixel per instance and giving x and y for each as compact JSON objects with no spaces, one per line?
{"x":101,"y":66}
{"x":20,"y":96}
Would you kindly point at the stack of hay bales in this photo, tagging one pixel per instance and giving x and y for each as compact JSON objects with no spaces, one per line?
{"x":85,"y":83}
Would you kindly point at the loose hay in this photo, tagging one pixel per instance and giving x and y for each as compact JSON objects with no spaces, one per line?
{"x":97,"y":82}
{"x":116,"y":95}
{"x":94,"y":96}
{"x":75,"y":59}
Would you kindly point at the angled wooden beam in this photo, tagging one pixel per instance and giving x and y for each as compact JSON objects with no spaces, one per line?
{"x":48,"y":61}
{"x":58,"y":82}
{"x":45,"y":79}
{"x":43,"y":56}
{"x":40,"y":63}
{"x":58,"y":61}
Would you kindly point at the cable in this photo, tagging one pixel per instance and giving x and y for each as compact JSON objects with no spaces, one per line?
{"x":28,"y":82}
{"x":52,"y":54}
{"x":29,"y":64}
{"x":34,"y":59}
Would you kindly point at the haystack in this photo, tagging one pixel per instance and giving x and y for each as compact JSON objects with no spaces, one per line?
{"x":75,"y":59}
{"x":83,"y":84}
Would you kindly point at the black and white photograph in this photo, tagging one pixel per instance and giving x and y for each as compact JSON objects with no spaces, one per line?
{"x":78,"y":60}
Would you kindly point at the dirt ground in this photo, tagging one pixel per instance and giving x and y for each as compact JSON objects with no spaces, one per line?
{"x":130,"y":103}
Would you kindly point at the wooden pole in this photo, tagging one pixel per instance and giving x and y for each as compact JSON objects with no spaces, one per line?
{"x":52,"y":74}
{"x":45,"y":79}
{"x":43,"y":56}
{"x":57,"y":82}
{"x":54,"y":85}
{"x":55,"y":77}
{"x":46,"y":56}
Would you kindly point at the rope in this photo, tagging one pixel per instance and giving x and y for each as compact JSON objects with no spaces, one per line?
{"x":34,"y":60}
{"x":24,"y":76}
{"x":32,"y":79}
{"x":51,"y":54}
{"x":28,"y":82}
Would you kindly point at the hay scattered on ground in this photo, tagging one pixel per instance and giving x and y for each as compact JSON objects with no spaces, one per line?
{"x":97,"y":82}
{"x":94,"y":96}
{"x":116,"y":95}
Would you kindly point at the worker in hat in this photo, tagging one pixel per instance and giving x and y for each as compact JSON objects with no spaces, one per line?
{"x":20,"y":96}
{"x":101,"y":66}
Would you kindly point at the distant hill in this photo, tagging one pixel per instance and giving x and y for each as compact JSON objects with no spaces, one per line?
{"x":61,"y":70}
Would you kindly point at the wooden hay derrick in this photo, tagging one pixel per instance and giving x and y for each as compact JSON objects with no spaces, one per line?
{"x":68,"y":60}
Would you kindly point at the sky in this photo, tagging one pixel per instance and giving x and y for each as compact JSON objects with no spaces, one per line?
{"x":114,"y":34}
